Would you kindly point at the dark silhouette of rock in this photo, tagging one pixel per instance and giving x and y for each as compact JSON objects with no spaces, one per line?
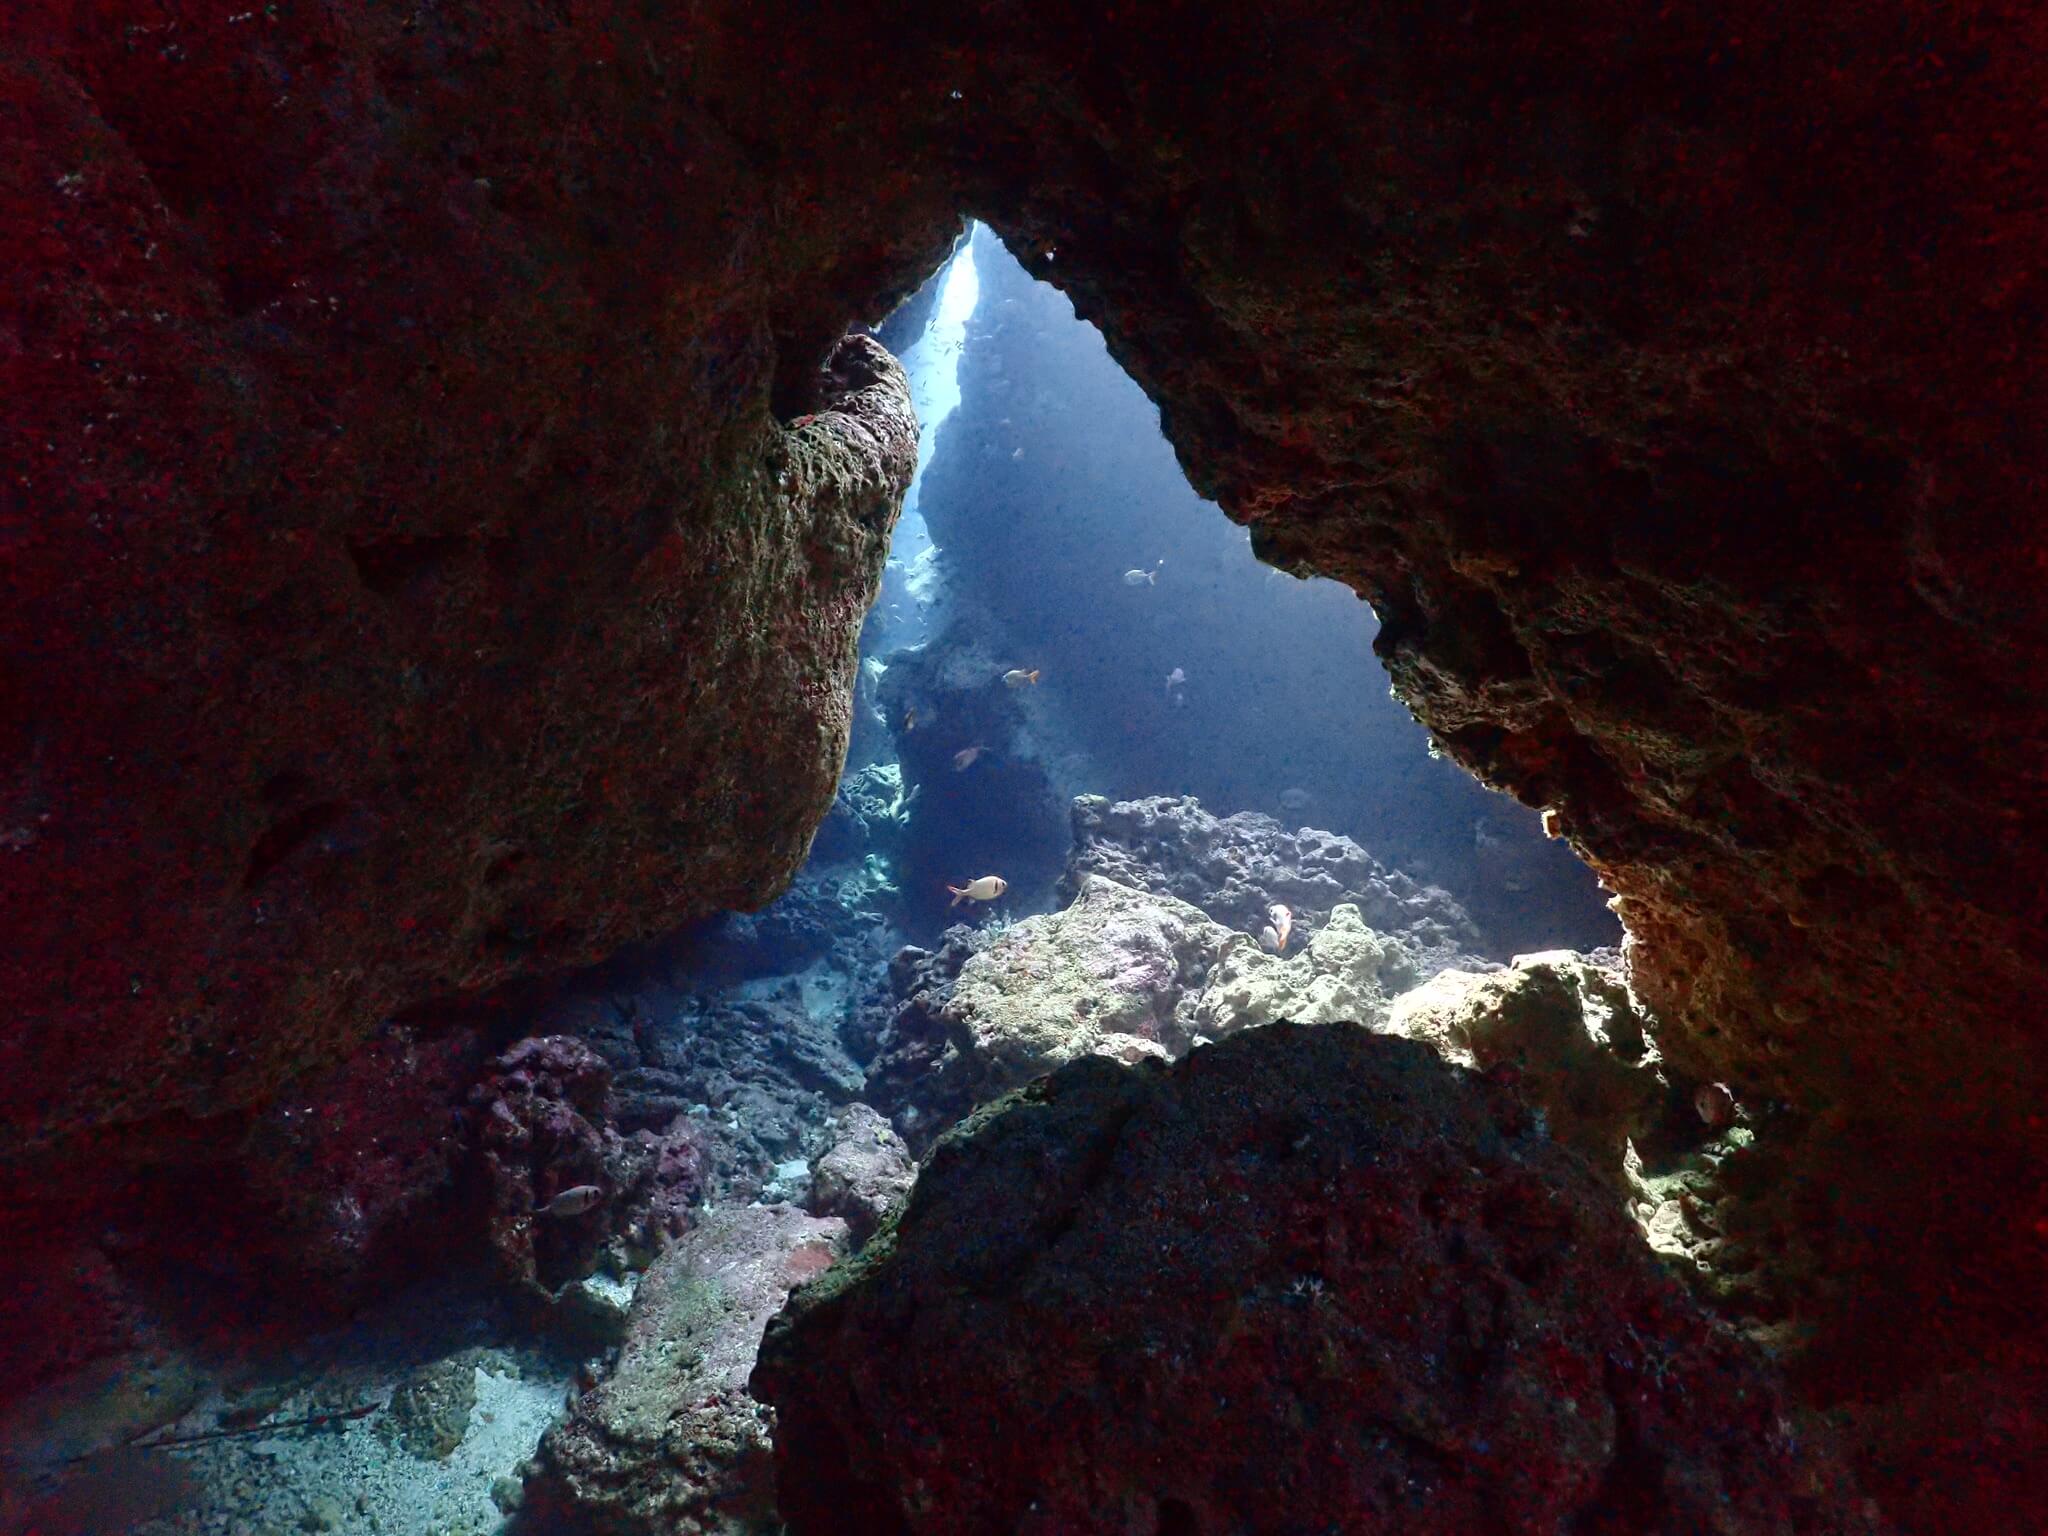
{"x":362,"y":1167}
{"x":1307,"y":1279}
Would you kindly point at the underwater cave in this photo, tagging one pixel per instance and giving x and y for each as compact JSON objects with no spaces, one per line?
{"x":1013,"y":769}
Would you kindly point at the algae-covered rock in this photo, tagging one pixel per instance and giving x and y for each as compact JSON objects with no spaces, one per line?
{"x":1346,"y":972}
{"x":1105,"y":977}
{"x":1235,"y":868}
{"x":671,"y":1441}
{"x":1568,"y":1028}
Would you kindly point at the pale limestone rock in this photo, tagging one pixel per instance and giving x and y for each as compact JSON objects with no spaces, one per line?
{"x":1106,"y":977}
{"x":1345,"y":973}
{"x":1570,"y":1030}
{"x":672,"y":1441}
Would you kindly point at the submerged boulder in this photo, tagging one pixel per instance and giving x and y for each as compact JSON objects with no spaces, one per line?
{"x":1105,"y":977}
{"x":1309,"y":1278}
{"x":866,"y":1174}
{"x":671,"y":1441}
{"x":1346,"y":972}
{"x":1569,"y":1031}
{"x":562,"y":1182}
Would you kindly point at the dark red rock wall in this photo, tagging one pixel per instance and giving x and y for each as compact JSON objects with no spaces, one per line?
{"x":1668,"y":385}
{"x":405,"y":583}
{"x":400,"y":591}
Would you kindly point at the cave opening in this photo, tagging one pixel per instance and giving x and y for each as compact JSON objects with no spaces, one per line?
{"x":1050,"y":537}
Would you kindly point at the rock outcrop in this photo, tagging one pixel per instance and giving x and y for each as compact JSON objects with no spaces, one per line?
{"x":670,"y":1441}
{"x":410,"y":579}
{"x":995,"y":810}
{"x":865,"y":1175}
{"x":1236,"y":867}
{"x":1175,"y":1299}
{"x":1346,"y":973}
{"x":1107,"y":977}
{"x":561,"y":1183}
{"x":1568,"y":1034}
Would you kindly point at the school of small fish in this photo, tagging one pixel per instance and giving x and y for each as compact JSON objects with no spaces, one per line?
{"x":987,"y":888}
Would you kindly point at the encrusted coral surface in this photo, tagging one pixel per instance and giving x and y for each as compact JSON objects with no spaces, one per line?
{"x":431,"y":549}
{"x":1307,"y":1279}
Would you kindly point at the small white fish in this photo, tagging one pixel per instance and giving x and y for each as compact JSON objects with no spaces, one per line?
{"x":965,"y":758}
{"x":1175,"y":679}
{"x":1135,"y":578}
{"x":572,"y":1202}
{"x":1283,"y":926}
{"x":987,"y":888}
{"x":1017,"y":677}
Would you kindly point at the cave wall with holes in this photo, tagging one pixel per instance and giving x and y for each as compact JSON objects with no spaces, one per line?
{"x":403,"y":591}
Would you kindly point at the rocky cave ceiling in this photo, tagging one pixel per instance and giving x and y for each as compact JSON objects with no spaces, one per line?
{"x":421,"y":477}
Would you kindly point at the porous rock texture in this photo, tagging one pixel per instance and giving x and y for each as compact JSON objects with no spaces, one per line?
{"x":543,"y":1131}
{"x":1107,"y":976}
{"x":407,"y":583}
{"x":671,"y":1441}
{"x":865,"y":1175}
{"x":1569,"y":1033}
{"x":401,"y":588}
{"x":1235,"y":868}
{"x":1309,"y":1278}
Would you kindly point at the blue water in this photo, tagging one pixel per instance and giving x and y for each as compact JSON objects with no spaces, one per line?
{"x":1044,"y":480}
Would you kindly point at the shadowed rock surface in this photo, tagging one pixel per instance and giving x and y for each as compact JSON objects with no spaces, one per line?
{"x":1567,"y":1030}
{"x":410,"y":580}
{"x":1308,"y":1279}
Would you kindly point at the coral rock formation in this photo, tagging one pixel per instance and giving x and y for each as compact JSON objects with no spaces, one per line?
{"x":544,"y":1132}
{"x":866,"y":1174}
{"x":671,"y":1441}
{"x":1105,"y":977}
{"x":1307,"y":1279}
{"x":1569,"y":1034}
{"x":1236,"y":867}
